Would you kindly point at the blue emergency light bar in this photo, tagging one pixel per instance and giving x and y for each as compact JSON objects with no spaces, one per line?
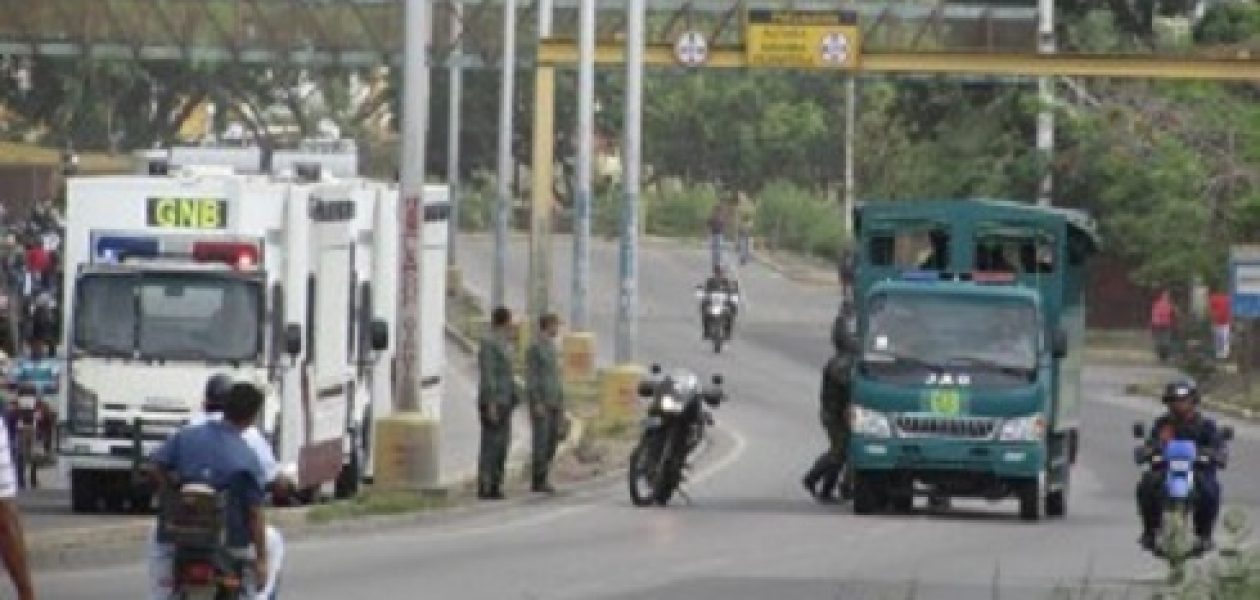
{"x":120,"y":247}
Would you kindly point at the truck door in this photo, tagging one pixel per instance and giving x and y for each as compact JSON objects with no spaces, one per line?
{"x":328,"y":369}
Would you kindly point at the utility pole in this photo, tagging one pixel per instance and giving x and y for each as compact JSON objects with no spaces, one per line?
{"x":504,"y":206}
{"x":539,"y":285}
{"x":407,"y":445}
{"x":454,"y":124}
{"x":1045,"y":118}
{"x":585,"y":142}
{"x":628,"y":302}
{"x":850,"y":131}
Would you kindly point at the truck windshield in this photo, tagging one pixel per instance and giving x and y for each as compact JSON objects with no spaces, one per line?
{"x":915,"y":337}
{"x":169,"y":316}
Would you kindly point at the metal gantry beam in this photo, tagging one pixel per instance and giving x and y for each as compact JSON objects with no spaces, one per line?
{"x":369,"y":32}
{"x":998,"y":64}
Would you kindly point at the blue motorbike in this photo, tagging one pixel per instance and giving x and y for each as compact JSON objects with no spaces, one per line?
{"x":1178,"y":460}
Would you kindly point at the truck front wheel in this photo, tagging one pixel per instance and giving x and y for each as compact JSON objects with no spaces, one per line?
{"x":869,"y":494}
{"x":1031,"y":500}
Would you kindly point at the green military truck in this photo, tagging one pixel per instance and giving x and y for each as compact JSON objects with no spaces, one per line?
{"x":971,"y":320}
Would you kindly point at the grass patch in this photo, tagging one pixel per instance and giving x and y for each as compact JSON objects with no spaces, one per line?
{"x":372,"y":503}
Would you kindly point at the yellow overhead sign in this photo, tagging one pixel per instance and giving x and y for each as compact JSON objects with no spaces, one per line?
{"x":802,"y":39}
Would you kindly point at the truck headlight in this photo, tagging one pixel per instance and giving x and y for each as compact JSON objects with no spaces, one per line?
{"x":670,"y":404}
{"x":1023,"y":429}
{"x":870,"y":423}
{"x":81,"y":409}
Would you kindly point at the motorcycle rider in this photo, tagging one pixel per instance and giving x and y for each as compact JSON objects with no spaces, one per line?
{"x":1183,"y":421}
{"x":221,"y":395}
{"x":719,"y":282}
{"x":835,"y":398}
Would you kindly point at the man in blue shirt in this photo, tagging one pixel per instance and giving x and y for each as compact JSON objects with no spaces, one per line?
{"x":214,"y":453}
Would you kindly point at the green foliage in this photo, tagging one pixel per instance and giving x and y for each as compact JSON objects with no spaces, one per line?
{"x":792,"y":218}
{"x":679,"y":211}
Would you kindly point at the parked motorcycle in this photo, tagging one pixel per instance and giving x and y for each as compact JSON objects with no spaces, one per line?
{"x":718,"y":315}
{"x":672,"y":429}
{"x":193,"y":521}
{"x":1178,"y":460}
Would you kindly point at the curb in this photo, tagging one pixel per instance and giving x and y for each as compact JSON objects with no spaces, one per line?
{"x":804,"y":276}
{"x":112,"y":543}
{"x":1225,"y":408}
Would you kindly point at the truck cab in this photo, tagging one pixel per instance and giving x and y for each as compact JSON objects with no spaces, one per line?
{"x":971,"y":323}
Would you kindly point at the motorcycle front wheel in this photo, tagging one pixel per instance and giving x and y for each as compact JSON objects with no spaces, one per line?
{"x":639,"y":475}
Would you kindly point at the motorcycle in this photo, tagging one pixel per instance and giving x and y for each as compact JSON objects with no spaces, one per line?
{"x":1178,"y":460}
{"x":202,"y":568}
{"x":716,"y":307}
{"x":672,"y":429}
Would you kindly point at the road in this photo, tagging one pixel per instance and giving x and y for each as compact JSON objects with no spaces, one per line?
{"x":751,"y":531}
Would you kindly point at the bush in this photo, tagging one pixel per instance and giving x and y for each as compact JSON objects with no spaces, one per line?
{"x":477,"y":201}
{"x":792,"y":218}
{"x":680,"y":212}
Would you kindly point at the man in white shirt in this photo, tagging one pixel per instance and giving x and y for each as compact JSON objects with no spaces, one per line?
{"x":217,"y":389}
{"x":12,"y":544}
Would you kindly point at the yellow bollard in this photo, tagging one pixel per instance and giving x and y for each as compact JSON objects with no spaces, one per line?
{"x":454,"y":280}
{"x":578,"y":352}
{"x":619,"y":391}
{"x":406,"y":449}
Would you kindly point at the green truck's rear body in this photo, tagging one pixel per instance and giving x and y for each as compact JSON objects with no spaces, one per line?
{"x":971,"y":326}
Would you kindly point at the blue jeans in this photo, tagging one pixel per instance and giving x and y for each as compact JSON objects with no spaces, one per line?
{"x":716,"y":240}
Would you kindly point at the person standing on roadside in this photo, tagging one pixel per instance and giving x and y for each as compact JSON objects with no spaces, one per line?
{"x":546,"y":399}
{"x":12,"y":540}
{"x":1163,"y":314}
{"x":1219,"y":310}
{"x":496,"y":397}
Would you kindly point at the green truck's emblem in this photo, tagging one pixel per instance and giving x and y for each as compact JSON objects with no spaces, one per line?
{"x":946,"y":402}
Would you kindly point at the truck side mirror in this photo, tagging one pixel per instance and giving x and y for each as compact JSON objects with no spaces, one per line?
{"x":1059,"y":344}
{"x":656,"y":369}
{"x":717,"y":380}
{"x":1139,"y":431}
{"x":379,"y":333}
{"x":293,"y":339}
{"x":1227,"y":433}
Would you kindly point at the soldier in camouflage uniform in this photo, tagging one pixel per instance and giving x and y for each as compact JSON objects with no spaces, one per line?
{"x":835,"y":398}
{"x":546,"y":399}
{"x":496,"y":398}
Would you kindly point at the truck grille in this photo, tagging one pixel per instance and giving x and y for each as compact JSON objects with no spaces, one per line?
{"x":964,"y":428}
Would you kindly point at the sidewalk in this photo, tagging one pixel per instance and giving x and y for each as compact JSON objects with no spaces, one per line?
{"x":461,"y":431}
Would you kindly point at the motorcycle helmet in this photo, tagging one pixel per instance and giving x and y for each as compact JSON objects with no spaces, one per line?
{"x":1179,"y":389}
{"x":217,"y":389}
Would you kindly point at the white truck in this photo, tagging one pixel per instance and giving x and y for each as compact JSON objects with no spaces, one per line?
{"x":288,"y":282}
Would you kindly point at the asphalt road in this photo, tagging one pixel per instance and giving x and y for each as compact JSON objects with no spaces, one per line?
{"x":751,"y":532}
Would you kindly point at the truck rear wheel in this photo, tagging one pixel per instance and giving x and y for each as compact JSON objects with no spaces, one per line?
{"x":83,"y":491}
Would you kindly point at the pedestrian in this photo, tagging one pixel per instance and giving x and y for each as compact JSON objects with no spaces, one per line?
{"x":546,"y":399}
{"x":746,"y":213}
{"x":1163,"y":314}
{"x":718,"y":220}
{"x":1219,"y":311}
{"x":834,"y":398}
{"x":497,"y":396}
{"x":12,"y":540}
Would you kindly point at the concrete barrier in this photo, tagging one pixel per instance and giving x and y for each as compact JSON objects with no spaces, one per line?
{"x":406,"y":448}
{"x":578,"y":357}
{"x":619,"y":391}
